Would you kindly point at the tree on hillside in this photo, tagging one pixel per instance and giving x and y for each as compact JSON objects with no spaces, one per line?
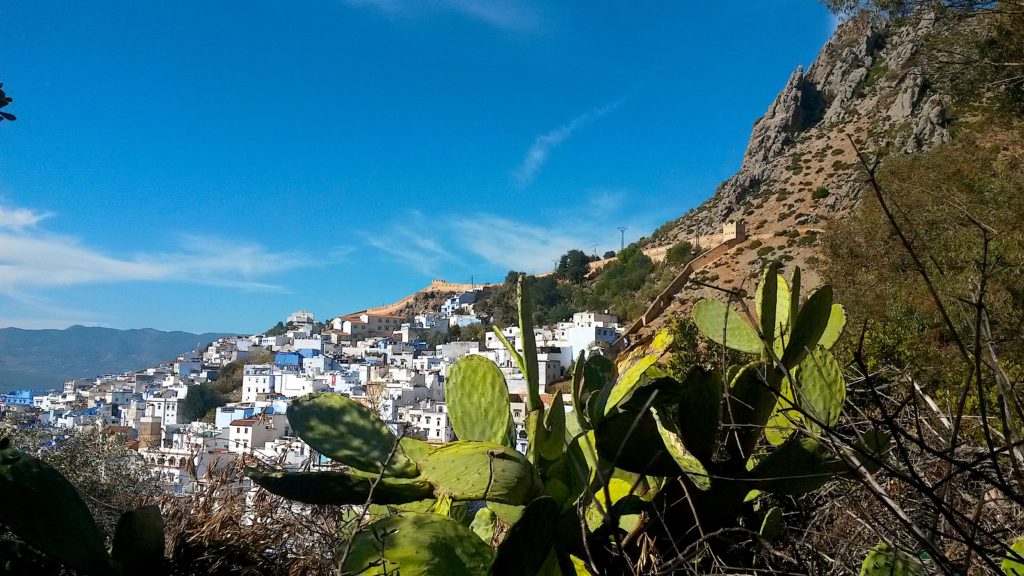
{"x":553,"y":301}
{"x":473,"y":333}
{"x":229,"y":378}
{"x":680,"y":253}
{"x":573,"y":266}
{"x":278,"y":329}
{"x":199,"y":401}
{"x":4,"y":101}
{"x":609,"y":254}
{"x":616,"y":286}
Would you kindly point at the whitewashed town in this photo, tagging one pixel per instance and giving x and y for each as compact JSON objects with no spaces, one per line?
{"x":380,"y":360}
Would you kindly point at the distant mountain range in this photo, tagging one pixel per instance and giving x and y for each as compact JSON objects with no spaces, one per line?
{"x":42,"y":359}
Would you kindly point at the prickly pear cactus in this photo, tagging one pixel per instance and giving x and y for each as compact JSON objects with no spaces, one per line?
{"x":479,"y":471}
{"x":772,"y":525}
{"x":821,"y":388}
{"x":342,"y":488}
{"x":477,"y":399}
{"x":43,"y":509}
{"x":349,"y":433}
{"x":1013,"y":563}
{"x":884,"y":560}
{"x":414,"y":544}
{"x":720,"y":323}
{"x":529,"y":541}
{"x":138,"y":541}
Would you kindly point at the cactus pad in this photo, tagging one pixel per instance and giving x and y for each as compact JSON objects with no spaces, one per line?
{"x":718,"y":322}
{"x":418,"y":545}
{"x":785,"y":416}
{"x":552,"y":442}
{"x":751,"y":401}
{"x":630,"y":440}
{"x":349,"y":433}
{"x":529,"y":541}
{"x":332,"y":487}
{"x":699,"y":412}
{"x":138,"y":541}
{"x":798,"y":466}
{"x":775,"y":309}
{"x":809,"y":326}
{"x":1013,"y":563}
{"x":689,"y":463}
{"x":477,"y":399}
{"x":483,"y":524}
{"x":479,"y":471}
{"x":772,"y":525}
{"x":43,"y":509}
{"x":633,"y":366}
{"x":834,"y":328}
{"x":821,"y":388}
{"x":884,"y":560}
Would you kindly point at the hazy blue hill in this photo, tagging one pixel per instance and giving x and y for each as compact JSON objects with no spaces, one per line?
{"x":41,"y":359}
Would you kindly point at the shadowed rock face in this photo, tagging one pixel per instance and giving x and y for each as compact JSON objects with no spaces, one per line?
{"x":865,"y":75}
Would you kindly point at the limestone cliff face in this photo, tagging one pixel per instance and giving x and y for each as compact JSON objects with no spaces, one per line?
{"x":872,"y":89}
{"x":866,"y":84}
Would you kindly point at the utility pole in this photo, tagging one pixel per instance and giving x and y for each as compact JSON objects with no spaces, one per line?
{"x":622,"y":241}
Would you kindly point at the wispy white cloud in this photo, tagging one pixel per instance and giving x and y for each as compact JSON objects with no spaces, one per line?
{"x":411,"y":243}
{"x":232,"y":264}
{"x":37,"y":312}
{"x":20,"y":218}
{"x":513,"y":15}
{"x":446,"y":244}
{"x":514,"y":245}
{"x":542,"y":145}
{"x":605,"y":202}
{"x":31,"y":257}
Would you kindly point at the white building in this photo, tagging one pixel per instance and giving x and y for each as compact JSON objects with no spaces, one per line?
{"x":163,"y":404}
{"x":301,"y":318}
{"x":428,"y":420}
{"x":247,"y":434}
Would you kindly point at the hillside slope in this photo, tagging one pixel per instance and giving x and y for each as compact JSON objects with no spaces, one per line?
{"x":40,"y":359}
{"x":872,"y":88}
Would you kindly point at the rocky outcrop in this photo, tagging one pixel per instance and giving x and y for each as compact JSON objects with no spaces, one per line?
{"x":797,"y":108}
{"x":866,"y":80}
{"x":911,"y":90}
{"x":843,"y":66}
{"x":930,"y":129}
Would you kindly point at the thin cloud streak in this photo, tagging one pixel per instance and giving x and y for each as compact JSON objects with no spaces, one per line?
{"x":20,"y":218}
{"x":543,"y":145}
{"x":466,"y":240}
{"x":408,"y":242}
{"x":41,"y":313}
{"x":32,"y":257}
{"x":511,"y":15}
{"x":513,"y":245}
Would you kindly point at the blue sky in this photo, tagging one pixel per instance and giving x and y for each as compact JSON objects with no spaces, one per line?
{"x":214,"y":165}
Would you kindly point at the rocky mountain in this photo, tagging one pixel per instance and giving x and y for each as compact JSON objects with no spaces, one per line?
{"x":41,"y":359}
{"x":873,"y":89}
{"x":867,"y":85}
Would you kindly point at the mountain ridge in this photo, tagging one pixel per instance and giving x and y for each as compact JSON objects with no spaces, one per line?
{"x":42,"y":359}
